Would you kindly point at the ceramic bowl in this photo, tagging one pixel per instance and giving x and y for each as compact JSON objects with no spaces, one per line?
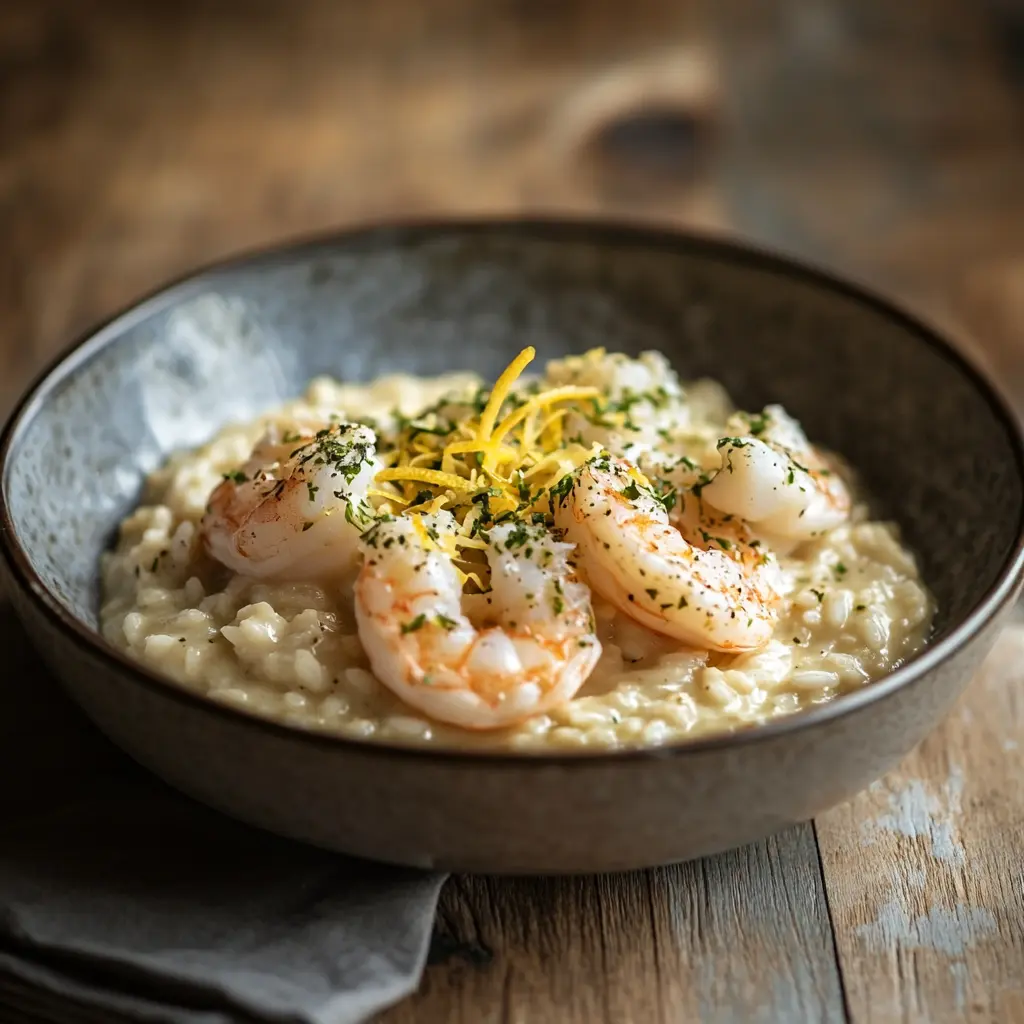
{"x":933,"y":442}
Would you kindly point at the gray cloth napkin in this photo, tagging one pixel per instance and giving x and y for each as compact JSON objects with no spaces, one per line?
{"x":120,"y":899}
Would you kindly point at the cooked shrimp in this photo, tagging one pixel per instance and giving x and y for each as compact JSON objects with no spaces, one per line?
{"x":533,"y":652}
{"x":296,"y":509}
{"x":712,"y":592}
{"x":772,"y":477}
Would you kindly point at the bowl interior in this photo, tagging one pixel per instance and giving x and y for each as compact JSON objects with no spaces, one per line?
{"x":934,"y":451}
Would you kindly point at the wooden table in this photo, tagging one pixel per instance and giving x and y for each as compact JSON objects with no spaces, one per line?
{"x":886,"y":139}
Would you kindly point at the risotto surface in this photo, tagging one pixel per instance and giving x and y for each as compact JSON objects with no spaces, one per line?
{"x":852,"y":604}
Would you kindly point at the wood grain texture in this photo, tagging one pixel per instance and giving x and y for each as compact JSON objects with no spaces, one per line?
{"x":195,"y":130}
{"x":886,"y":140}
{"x":137,"y":140}
{"x":741,"y":937}
{"x":885,"y":137}
{"x":924,"y":871}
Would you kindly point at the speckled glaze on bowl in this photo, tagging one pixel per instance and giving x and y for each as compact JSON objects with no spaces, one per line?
{"x":934,"y":444}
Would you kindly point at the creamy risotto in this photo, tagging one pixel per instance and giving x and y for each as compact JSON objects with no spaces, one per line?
{"x":597,"y":556}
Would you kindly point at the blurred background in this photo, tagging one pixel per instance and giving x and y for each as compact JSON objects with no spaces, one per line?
{"x":139,"y":138}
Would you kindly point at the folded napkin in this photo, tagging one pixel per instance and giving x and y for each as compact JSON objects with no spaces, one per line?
{"x":121,"y":900}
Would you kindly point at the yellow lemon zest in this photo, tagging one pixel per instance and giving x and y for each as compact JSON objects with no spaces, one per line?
{"x":426,"y":476}
{"x":501,"y":390}
{"x":515,"y":459}
{"x":421,"y":532}
{"x":541,"y":401}
{"x":386,"y":495}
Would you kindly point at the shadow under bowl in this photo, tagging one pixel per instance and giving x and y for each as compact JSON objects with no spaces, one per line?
{"x":934,"y":445}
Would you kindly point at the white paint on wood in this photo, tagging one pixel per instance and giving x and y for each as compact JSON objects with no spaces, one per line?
{"x":950,"y":949}
{"x":951,"y":931}
{"x":917,"y":810}
{"x":961,"y":976}
{"x":917,"y":878}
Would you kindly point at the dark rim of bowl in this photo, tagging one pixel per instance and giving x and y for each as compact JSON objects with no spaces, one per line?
{"x":597,"y":231}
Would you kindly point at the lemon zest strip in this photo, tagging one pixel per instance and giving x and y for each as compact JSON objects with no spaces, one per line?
{"x":426,"y":476}
{"x":500,"y":391}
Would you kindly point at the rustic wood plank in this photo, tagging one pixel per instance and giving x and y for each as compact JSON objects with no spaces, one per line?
{"x":195,"y":130}
{"x":884,"y":139}
{"x":848,"y":141}
{"x":924,"y":871}
{"x":741,"y":937}
{"x":989,"y":303}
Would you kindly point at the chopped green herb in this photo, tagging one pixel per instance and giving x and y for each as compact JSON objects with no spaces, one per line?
{"x":420,"y":427}
{"x":517,"y":537}
{"x":561,"y":489}
{"x":667,"y":496}
{"x":702,"y":481}
{"x":758,"y":424}
{"x":417,"y":623}
{"x":734,"y":442}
